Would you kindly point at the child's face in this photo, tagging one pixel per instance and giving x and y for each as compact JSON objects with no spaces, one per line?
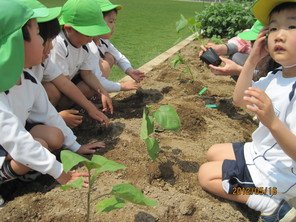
{"x":76,"y":38}
{"x":33,"y":48}
{"x":46,"y":50}
{"x":110,"y":20}
{"x":282,"y":37}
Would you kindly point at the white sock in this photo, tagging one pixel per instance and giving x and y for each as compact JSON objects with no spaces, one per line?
{"x":265,"y":204}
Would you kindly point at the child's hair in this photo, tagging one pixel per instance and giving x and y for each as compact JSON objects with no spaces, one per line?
{"x":283,"y":6}
{"x":49,"y":30}
{"x":25,"y":29}
{"x":107,"y":12}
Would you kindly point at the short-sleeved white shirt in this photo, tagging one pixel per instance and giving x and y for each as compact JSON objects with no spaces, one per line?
{"x":68,"y":58}
{"x":46,"y":71}
{"x":268,"y":164}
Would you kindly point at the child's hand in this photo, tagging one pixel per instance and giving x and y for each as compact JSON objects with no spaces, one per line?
{"x":137,"y":75}
{"x":71,"y":118}
{"x":128,"y":85}
{"x":220,"y":49}
{"x":263,"y":105}
{"x":98,"y":115}
{"x":90,"y":148}
{"x":259,"y":49}
{"x":107,"y":103}
{"x":71,"y":176}
{"x":230,"y":68}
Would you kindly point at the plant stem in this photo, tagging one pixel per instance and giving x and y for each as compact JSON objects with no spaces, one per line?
{"x":101,"y":196}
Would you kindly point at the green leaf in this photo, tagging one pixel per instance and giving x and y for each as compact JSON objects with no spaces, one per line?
{"x":152,"y":148}
{"x":75,"y":184}
{"x":109,"y":204}
{"x":70,"y":159}
{"x":105,"y":164}
{"x":167,"y":117}
{"x":147,"y":126}
{"x":181,"y":24}
{"x":130,"y":193}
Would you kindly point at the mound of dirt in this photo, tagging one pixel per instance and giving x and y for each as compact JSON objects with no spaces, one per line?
{"x":172,"y":179}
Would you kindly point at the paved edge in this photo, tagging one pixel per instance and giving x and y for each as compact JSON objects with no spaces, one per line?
{"x":159,"y":59}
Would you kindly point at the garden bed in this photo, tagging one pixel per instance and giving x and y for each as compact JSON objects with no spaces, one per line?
{"x":172,"y":179}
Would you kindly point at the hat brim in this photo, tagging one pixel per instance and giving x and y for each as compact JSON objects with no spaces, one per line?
{"x":53,"y":13}
{"x":12,"y":60}
{"x":262,"y":8}
{"x":248,"y":35}
{"x":110,"y":7}
{"x":91,"y":30}
{"x":40,"y":13}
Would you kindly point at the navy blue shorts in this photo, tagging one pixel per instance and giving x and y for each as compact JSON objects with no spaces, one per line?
{"x":235,"y":173}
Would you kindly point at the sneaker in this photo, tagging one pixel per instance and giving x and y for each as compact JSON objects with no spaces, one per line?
{"x":30,"y":176}
{"x":283,"y":213}
{"x":2,"y":202}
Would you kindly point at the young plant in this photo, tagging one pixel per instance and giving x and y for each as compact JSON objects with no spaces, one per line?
{"x":166,"y":117}
{"x":191,"y":24}
{"x":179,"y":59}
{"x":98,"y":164}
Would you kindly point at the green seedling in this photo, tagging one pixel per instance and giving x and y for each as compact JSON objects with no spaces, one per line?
{"x":191,"y":24}
{"x":179,"y":59}
{"x":166,"y":117}
{"x":98,"y":164}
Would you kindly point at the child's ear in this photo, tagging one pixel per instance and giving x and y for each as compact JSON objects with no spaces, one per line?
{"x":68,"y":28}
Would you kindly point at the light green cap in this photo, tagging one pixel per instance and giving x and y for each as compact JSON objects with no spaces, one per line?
{"x":251,"y":34}
{"x":83,"y":16}
{"x":106,"y":5}
{"x":13,"y":16}
{"x":39,"y":9}
{"x":36,"y":5}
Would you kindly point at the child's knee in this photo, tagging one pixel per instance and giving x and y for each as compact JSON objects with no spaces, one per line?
{"x":212,"y":152}
{"x":203,"y":175}
{"x":56,"y":139}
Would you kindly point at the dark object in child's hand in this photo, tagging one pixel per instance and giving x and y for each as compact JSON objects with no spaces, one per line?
{"x":211,"y":57}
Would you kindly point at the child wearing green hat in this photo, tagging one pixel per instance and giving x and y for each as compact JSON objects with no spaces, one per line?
{"x":108,"y":55}
{"x":21,"y":43}
{"x":238,"y":49}
{"x":261,"y":173}
{"x":54,"y":82}
{"x":81,"y":20}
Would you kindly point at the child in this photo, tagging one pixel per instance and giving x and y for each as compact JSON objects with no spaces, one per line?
{"x":23,"y":98}
{"x":266,"y":166}
{"x":81,"y":21}
{"x":108,"y":55}
{"x":53,"y":80}
{"x":237,"y":48}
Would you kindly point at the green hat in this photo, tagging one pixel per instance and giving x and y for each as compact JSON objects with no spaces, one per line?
{"x":251,"y":34}
{"x":262,"y":9}
{"x":39,"y":9}
{"x":106,"y":5}
{"x":36,"y":5}
{"x":13,"y":15}
{"x":83,"y":16}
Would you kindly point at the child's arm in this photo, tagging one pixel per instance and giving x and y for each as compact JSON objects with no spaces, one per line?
{"x":265,"y":112}
{"x":68,"y":88}
{"x":90,"y":79}
{"x":244,"y":81}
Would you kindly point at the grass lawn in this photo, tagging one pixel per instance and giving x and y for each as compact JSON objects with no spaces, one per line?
{"x":145,"y":28}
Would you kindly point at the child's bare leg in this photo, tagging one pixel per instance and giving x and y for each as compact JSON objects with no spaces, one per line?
{"x":210,"y":179}
{"x":54,"y":95}
{"x":52,"y":136}
{"x":106,"y":64}
{"x":221,"y":151}
{"x":66,"y":103}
